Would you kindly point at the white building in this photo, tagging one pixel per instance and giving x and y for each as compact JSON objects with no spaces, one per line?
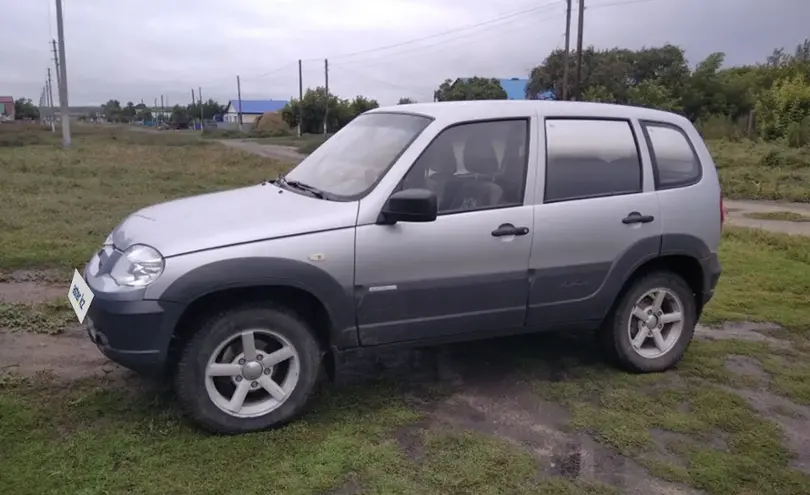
{"x":251,"y":110}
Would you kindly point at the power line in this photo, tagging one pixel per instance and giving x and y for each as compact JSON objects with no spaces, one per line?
{"x":442,"y":44}
{"x":617,"y":4}
{"x":450,"y":31}
{"x":374,"y":78}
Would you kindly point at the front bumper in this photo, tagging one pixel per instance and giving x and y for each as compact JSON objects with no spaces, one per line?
{"x":134,"y":334}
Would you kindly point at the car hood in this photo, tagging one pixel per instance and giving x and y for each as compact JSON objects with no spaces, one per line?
{"x":230,"y":217}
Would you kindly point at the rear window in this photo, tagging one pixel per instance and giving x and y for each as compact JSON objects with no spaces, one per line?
{"x":590,"y":159}
{"x":674,"y":159}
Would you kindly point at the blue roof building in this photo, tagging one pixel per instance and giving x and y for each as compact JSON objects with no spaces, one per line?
{"x":255,"y":106}
{"x":251,"y":109}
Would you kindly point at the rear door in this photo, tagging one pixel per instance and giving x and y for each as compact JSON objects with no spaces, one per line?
{"x":599,"y":219}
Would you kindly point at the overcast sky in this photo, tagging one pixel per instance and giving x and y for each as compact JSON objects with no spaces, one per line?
{"x":139,"y":49}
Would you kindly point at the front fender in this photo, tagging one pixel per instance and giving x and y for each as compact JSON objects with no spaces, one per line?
{"x":267,"y":272}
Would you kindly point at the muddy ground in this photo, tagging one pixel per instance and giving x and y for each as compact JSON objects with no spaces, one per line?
{"x":486,"y":390}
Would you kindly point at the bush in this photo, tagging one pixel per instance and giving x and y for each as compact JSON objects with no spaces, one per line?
{"x":722,"y":127}
{"x":798,"y":133}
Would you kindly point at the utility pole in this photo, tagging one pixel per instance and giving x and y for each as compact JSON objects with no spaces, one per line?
{"x":326,"y":112}
{"x":63,"y":87}
{"x":56,"y":65}
{"x":193,"y":102}
{"x":239,"y":97}
{"x":578,"y":86}
{"x":202,"y":117}
{"x":567,"y":49}
{"x":50,"y":101}
{"x":300,"y":97}
{"x":155,"y":115}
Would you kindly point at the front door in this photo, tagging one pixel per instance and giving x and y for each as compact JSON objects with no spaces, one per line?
{"x":467,"y":271}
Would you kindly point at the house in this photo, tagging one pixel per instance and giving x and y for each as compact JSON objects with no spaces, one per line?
{"x":251,"y":109}
{"x":7,"y":107}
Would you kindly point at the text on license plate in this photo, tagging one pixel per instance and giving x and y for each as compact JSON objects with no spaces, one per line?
{"x":80,"y":295}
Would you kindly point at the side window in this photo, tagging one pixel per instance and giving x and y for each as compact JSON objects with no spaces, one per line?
{"x":590,"y":158}
{"x":475,"y":166}
{"x":673,"y":157}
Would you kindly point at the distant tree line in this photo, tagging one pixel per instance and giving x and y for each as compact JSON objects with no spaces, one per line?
{"x":776,"y":92}
{"x":769,"y":100}
{"x":180,"y":115}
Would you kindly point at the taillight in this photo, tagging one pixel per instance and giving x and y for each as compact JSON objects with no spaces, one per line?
{"x":722,"y":210}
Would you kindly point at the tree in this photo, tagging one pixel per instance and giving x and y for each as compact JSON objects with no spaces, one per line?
{"x":405,"y":101}
{"x":24,"y":109}
{"x":210,"y":109}
{"x":112,"y":110}
{"x":313,"y":108}
{"x":179,"y":117}
{"x":128,"y":112}
{"x":783,"y":111}
{"x":361,"y":104}
{"x":474,"y":88}
{"x":653,"y":95}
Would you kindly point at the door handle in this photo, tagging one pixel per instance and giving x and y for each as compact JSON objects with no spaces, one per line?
{"x":509,"y":229}
{"x":636,"y":217}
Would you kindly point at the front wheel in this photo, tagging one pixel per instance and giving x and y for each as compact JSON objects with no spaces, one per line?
{"x":248,"y":369}
{"x":652,"y":324}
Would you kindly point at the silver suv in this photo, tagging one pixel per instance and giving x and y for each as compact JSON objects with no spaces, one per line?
{"x":415,"y":225}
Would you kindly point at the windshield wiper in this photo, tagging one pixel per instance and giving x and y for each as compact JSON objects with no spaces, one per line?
{"x":306,"y":187}
{"x":314,"y":191}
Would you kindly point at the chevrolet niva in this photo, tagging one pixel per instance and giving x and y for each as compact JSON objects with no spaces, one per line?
{"x":416,"y":224}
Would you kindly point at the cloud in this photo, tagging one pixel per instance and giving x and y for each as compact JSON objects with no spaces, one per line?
{"x":133,"y":50}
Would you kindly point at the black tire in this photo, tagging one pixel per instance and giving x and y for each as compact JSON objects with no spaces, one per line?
{"x":190,"y":376}
{"x":616,"y":339}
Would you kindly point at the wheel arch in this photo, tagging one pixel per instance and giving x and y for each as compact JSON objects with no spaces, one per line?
{"x":309,"y":291}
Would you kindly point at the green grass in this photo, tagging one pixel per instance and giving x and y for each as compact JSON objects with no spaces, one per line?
{"x":757,"y":170}
{"x":766,"y":277}
{"x":104,"y":441}
{"x":784,"y":216}
{"x":60,"y":204}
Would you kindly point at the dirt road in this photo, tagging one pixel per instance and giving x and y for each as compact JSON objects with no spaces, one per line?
{"x":275,"y":151}
{"x":738,"y":209}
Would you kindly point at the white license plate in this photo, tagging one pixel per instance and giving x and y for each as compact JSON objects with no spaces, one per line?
{"x":80,"y":296}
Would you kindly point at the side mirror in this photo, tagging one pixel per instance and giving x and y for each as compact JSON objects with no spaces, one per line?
{"x":409,"y":205}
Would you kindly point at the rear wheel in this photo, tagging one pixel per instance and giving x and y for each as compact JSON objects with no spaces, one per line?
{"x":248,"y":369}
{"x":653,"y":323}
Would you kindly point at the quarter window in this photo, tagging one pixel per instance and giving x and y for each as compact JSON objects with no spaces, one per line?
{"x":590,"y":158}
{"x":474,"y":166}
{"x":674,"y":159}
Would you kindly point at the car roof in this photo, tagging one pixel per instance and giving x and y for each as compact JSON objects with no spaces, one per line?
{"x":492,"y":109}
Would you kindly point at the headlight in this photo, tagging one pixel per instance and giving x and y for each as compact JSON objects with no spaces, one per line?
{"x":139,"y":266}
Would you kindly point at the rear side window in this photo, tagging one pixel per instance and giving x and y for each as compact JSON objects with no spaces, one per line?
{"x":590,"y":159}
{"x":674,"y":160}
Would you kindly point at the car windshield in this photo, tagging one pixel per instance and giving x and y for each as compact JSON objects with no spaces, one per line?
{"x":349,"y":163}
